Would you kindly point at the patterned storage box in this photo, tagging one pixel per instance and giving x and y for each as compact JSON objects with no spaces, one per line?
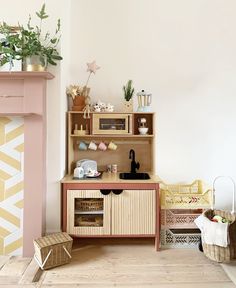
{"x":185,"y":196}
{"x":179,"y":218}
{"x":178,"y":238}
{"x":53,"y":250}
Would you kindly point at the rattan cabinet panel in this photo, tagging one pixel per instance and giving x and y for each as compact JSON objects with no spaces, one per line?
{"x":85,"y":221}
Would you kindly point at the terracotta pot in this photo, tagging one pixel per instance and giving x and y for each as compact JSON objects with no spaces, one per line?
{"x":78,"y":103}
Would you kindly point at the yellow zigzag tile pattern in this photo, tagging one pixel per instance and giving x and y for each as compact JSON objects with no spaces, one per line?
{"x":11,"y":185}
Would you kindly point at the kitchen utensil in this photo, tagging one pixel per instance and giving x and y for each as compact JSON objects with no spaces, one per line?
{"x":112,"y":146}
{"x":83,"y":146}
{"x":79,"y":172}
{"x":144,"y":101}
{"x":102,"y":146}
{"x":92,"y":146}
{"x":114,"y":168}
{"x":87,"y":165}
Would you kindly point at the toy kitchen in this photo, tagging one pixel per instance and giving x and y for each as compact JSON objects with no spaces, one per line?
{"x":110,"y":189}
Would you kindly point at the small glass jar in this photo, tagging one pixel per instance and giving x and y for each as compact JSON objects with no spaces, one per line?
{"x":114,"y":168}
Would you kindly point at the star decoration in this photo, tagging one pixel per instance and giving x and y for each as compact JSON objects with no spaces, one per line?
{"x":92,"y":67}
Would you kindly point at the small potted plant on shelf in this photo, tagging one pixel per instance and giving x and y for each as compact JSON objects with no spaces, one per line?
{"x":30,"y":45}
{"x":128,"y":96}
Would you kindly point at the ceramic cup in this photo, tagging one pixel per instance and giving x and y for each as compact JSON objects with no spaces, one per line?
{"x":92,"y":146}
{"x":83,"y":146}
{"x":112,"y":146}
{"x":102,"y":146}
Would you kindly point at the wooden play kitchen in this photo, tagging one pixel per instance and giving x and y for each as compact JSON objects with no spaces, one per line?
{"x":109,"y":206}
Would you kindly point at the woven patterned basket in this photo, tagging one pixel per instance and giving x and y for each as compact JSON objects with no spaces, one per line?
{"x":215,"y":252}
{"x":53,"y":250}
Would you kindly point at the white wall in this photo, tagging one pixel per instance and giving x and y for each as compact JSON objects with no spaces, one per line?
{"x":184,"y":53}
{"x":181,"y":51}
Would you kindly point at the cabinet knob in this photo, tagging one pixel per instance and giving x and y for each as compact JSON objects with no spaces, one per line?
{"x":117,"y":191}
{"x":105,"y":191}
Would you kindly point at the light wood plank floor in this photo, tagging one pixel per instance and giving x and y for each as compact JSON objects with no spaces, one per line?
{"x":119,"y":263}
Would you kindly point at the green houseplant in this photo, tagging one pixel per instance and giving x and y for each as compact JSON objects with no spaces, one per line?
{"x":29,"y":43}
{"x":128,"y":96}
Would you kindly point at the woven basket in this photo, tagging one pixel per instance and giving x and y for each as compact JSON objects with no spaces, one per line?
{"x":217,"y":253}
{"x":89,"y":204}
{"x":53,"y":250}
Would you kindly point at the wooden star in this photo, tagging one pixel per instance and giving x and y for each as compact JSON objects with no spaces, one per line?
{"x":92,"y":67}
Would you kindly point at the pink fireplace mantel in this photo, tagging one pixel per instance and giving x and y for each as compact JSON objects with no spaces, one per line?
{"x":24,"y":94}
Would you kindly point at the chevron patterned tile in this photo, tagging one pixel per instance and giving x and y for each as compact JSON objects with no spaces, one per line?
{"x":11,"y":185}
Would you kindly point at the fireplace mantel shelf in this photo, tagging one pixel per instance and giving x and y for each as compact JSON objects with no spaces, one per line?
{"x":23,"y":93}
{"x":24,"y":74}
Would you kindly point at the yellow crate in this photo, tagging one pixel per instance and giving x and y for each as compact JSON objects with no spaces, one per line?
{"x":185,"y":196}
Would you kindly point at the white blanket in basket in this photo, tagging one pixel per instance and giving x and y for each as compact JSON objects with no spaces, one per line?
{"x":213,"y":233}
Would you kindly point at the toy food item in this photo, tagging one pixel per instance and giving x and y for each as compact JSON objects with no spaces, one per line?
{"x":217,"y":218}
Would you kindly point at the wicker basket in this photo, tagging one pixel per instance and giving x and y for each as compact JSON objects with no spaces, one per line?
{"x":215,"y":252}
{"x":185,"y":196}
{"x":89,"y":221}
{"x":53,"y":250}
{"x":89,"y":204}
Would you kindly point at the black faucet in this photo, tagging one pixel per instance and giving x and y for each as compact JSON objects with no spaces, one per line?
{"x":134,"y":165}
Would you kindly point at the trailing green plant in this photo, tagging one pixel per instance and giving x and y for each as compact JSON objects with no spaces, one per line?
{"x":29,"y":41}
{"x":128,"y":90}
{"x":9,"y":42}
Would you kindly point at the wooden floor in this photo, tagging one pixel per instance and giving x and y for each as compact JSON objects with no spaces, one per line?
{"x":118,"y":263}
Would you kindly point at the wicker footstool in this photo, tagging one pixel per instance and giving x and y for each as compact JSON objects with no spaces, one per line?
{"x":53,"y":250}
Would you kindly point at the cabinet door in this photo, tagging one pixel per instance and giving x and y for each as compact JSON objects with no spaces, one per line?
{"x":88,"y":212}
{"x":134,"y":212}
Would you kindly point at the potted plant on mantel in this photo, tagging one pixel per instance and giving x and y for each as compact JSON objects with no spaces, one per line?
{"x":128,"y":95}
{"x":29,"y":44}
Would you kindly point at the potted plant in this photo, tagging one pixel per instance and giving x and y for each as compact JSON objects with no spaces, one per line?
{"x":9,"y":40}
{"x":29,"y":44}
{"x":128,"y":96}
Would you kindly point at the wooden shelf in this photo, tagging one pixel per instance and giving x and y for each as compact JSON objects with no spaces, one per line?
{"x":115,"y":112}
{"x":112,"y":136}
{"x":89,"y":212}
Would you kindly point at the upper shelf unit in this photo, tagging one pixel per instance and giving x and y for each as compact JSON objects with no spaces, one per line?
{"x":111,"y":124}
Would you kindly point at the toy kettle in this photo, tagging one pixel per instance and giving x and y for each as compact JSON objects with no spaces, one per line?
{"x":144,"y":101}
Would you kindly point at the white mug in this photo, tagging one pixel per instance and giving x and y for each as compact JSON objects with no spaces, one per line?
{"x":92,"y":146}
